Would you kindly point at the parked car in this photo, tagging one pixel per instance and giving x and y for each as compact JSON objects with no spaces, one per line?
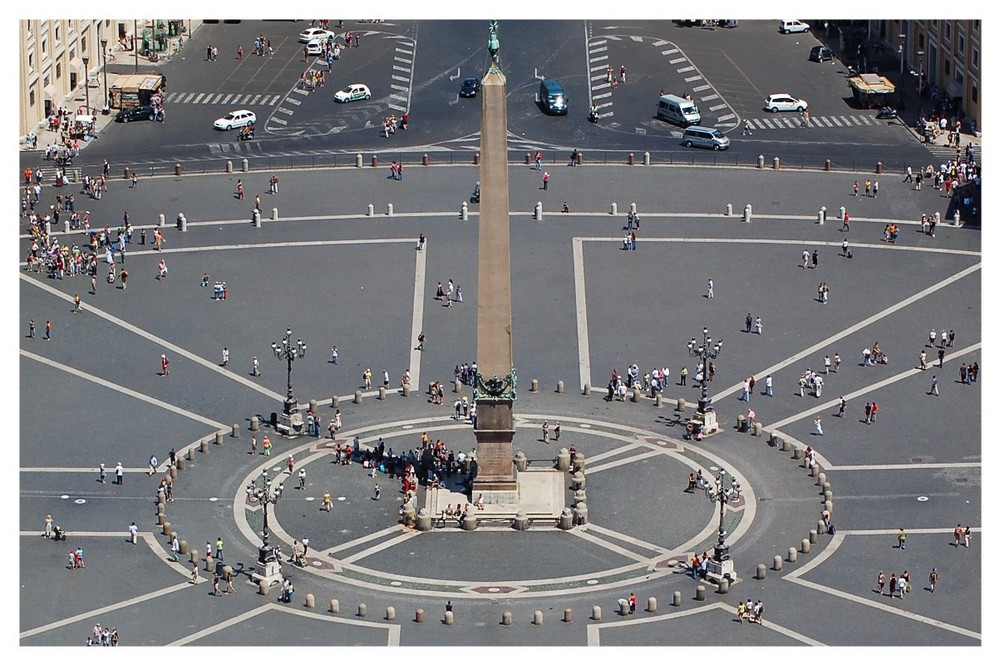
{"x":310,"y":34}
{"x":470,"y":87}
{"x":353,"y":92}
{"x":316,"y":47}
{"x":782,"y":101}
{"x":137,"y":113}
{"x":820,"y":54}
{"x":789,"y":25}
{"x":705,"y":137}
{"x":241,"y":118}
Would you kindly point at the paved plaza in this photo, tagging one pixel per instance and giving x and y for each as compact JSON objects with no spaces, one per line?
{"x":336,"y":275}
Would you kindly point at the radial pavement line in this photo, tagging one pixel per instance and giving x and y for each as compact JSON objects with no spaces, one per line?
{"x":417,"y":325}
{"x":582,"y":331}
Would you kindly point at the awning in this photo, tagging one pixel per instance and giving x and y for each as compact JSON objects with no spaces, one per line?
{"x":954,"y":89}
{"x":50,"y":92}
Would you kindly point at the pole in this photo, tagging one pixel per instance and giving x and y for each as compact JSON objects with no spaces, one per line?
{"x":104,"y":54}
{"x":135,"y":47}
{"x":86,"y":79}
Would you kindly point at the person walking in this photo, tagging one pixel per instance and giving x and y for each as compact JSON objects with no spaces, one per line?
{"x":538,"y":161}
{"x":768,"y":386}
{"x":818,"y":426}
{"x":934,"y":386}
{"x":967,"y":535}
{"x":225,"y":356}
{"x":545,"y":181}
{"x":31,"y":328}
{"x":266,"y":445}
{"x":164,"y":362}
{"x":940,"y":355}
{"x":901,"y":538}
{"x":119,"y":474}
{"x":711,"y":288}
{"x":334,"y":355}
{"x":327,"y":502}
{"x":841,"y":412}
{"x":133,"y":533}
{"x":175,"y":547}
{"x":932,"y":579}
{"x":545,"y":431}
{"x":48,"y":333}
{"x":749,"y":322}
{"x":218,"y":548}
{"x":758,"y":326}
{"x":255,"y":364}
{"x":881,"y":583}
{"x":893,"y":584}
{"x":923,"y":359}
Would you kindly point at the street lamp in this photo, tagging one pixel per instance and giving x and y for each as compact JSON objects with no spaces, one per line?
{"x":703,"y":352}
{"x":86,"y":77}
{"x":902,"y":60}
{"x":920,"y":73}
{"x":290,"y":351}
{"x":263,"y":493}
{"x":104,"y":54}
{"x":723,"y":495}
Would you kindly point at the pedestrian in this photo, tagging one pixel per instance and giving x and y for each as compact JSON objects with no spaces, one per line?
{"x":901,"y":538}
{"x":874,"y":411}
{"x":881,"y":583}
{"x":266,"y":445}
{"x":255,"y":371}
{"x":868,"y":413}
{"x":940,"y":355}
{"x":711,"y":288}
{"x":229,"y":581}
{"x":749,"y":322}
{"x":555,"y":433}
{"x":621,"y":72}
{"x":768,"y":386}
{"x":302,"y":479}
{"x":385,"y":379}
{"x":545,"y":181}
{"x":815,"y":259}
{"x":164,"y":361}
{"x":119,"y":474}
{"x":377,"y":492}
{"x":102,"y":474}
{"x":818,"y":426}
{"x":631,"y":596}
{"x":133,"y":533}
{"x":856,"y":187}
{"x":194,"y":573}
{"x":334,"y":355}
{"x":253,"y":444}
{"x":805,"y":258}
{"x":175,"y":548}
{"x":875,"y":189}
{"x":758,"y":326}
{"x":48,"y":332}
{"x":684,"y":376}
{"x":153,"y":462}
{"x":421,"y":338}
{"x":827,"y":363}
{"x":218,"y":548}
{"x":845,"y":225}
{"x":868,"y":188}
{"x":421,"y":241}
{"x":538,"y":161}
{"x":747,"y":131}
{"x":934,"y":384}
{"x":909,"y":174}
{"x":545,"y":432}
{"x":967,"y":535}
{"x":327,"y":502}
{"x":239,"y":190}
{"x":893,"y":584}
{"x":76,"y":302}
{"x":215,"y":585}
{"x":31,"y":328}
{"x":923,"y":359}
{"x":225,"y":356}
{"x":932,"y":579}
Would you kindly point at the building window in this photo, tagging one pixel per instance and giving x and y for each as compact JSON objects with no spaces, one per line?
{"x":947,"y":31}
{"x":58,"y":70}
{"x":57,"y":33}
{"x":45,"y":81}
{"x":975,"y":94}
{"x":975,"y":58}
{"x":947,"y":67}
{"x":961,"y":44}
{"x":975,"y":26}
{"x":43,"y":46}
{"x":31,"y":97}
{"x":83,"y":43}
{"x":31,"y":62}
{"x":959,"y":76}
{"x":920,"y":41}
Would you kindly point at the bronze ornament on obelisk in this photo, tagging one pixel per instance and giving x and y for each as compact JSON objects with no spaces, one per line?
{"x":496,"y":381}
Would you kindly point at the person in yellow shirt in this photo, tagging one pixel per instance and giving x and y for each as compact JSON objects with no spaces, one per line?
{"x":327,"y":502}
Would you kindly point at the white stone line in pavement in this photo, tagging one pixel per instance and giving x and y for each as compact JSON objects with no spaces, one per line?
{"x":835,"y":542}
{"x":227,"y":623}
{"x":417,"y":324}
{"x":614,"y":452}
{"x":626,"y":538}
{"x":584,"y":534}
{"x":351,"y":544}
{"x":892,"y":532}
{"x":582,"y":331}
{"x":620,"y":462}
{"x":774,"y":241}
{"x":860,"y":325}
{"x":905,"y":374}
{"x":126,"y":391}
{"x":89,"y":308}
{"x":903,"y":467}
{"x":375,"y":549}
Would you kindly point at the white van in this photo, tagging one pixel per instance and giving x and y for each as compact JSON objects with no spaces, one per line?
{"x":678,"y":110}
{"x":705,"y":137}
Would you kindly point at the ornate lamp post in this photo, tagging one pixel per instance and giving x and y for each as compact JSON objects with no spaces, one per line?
{"x":104,"y":54}
{"x":902,"y":60}
{"x":723,"y":495}
{"x":262,"y":492}
{"x":86,"y":79}
{"x":704,"y":351}
{"x":920,"y":74}
{"x":289,"y":351}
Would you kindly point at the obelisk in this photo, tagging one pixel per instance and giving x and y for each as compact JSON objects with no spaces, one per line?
{"x":496,"y":382}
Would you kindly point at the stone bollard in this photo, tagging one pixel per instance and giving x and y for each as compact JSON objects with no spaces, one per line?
{"x":475,"y":159}
{"x":828,"y":496}
{"x":560,"y":386}
{"x":595,"y":613}
{"x":814,"y":470}
{"x":388,"y":209}
{"x":843,"y":211}
{"x":194,"y":557}
{"x":209,"y":560}
{"x":218,"y":439}
{"x":520,"y":521}
{"x":183,"y":547}
{"x":66,"y":226}
{"x":424,"y":520}
{"x":828,"y":507}
{"x":406,"y":391}
{"x":757,"y":429}
{"x":334,"y":606}
{"x":622,"y":607}
{"x":580,"y":464}
{"x":359,"y":160}
{"x":586,"y":390}
{"x":381,"y":393}
{"x":761,"y":571}
{"x":580,"y":513}
{"x":538,"y":211}
{"x":534,"y":386}
{"x":579,"y":496}
{"x":778,"y":563}
{"x":418,"y":616}
{"x":797,"y":454}
{"x":677,"y":599}
{"x":699,"y":593}
{"x":469,"y":523}
{"x":371,"y":209}
{"x":449,"y":618}
{"x":651,"y":604}
{"x":255,"y":424}
{"x":793,"y":555}
{"x":783,"y":444}
{"x":566,"y":519}
{"x":229,"y":166}
{"x":357,"y":397}
{"x":425,"y":160}
{"x":274,"y":214}
{"x":813,"y":534}
{"x":562,"y":459}
{"x":506,"y":618}
{"x":776,"y":163}
{"x":645,"y":158}
{"x":538,"y":620}
{"x":747,"y":213}
{"x":166,"y":528}
{"x":568,"y":615}
{"x":521,"y":461}
{"x":263,"y":587}
{"x":806,"y":546}
{"x":658,"y":402}
{"x":162,"y":220}
{"x":235,"y":433}
{"x":820,"y":527}
{"x":181,"y":463}
{"x":878,"y":168}
{"x":203,"y":447}
{"x":631,"y":159}
{"x":820,"y":479}
{"x":614,"y":207}
{"x":579,"y":481}
{"x":682,"y":405}
{"x":827,"y":165}
{"x":760,"y":161}
{"x":246,"y":165}
{"x":182,"y":223}
{"x":463,"y":212}
{"x":256,"y":218}
{"x":723,"y":585}
{"x":374,"y":161}
{"x":362,"y":610}
{"x":635,"y":395}
{"x":310,"y":600}
{"x":937,"y":217}
{"x":334,"y":402}
{"x":821,"y":216}
{"x":729,"y":210}
{"x":826,"y":485}
{"x":741,"y":422}
{"x":390,"y":613}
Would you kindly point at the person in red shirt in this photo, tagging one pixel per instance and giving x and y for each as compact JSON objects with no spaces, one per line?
{"x":163,"y":365}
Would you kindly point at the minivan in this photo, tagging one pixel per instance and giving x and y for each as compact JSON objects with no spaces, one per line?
{"x":705,"y":137}
{"x":678,"y":110}
{"x":552,"y":97}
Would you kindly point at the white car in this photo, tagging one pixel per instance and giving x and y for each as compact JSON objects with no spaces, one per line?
{"x":310,"y":34}
{"x":234,"y":119}
{"x":784,"y":102}
{"x":353,"y":92}
{"x":789,"y":25}
{"x":316,"y":47}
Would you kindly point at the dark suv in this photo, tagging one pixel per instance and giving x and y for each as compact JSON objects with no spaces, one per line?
{"x":137,"y":113}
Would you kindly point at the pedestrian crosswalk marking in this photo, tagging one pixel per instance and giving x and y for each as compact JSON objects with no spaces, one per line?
{"x":707,"y":98}
{"x":636,"y":38}
{"x":717,"y":107}
{"x":685,"y":69}
{"x":835,"y":121}
{"x":296,"y":102}
{"x":602,"y":95}
{"x":407,"y":61}
{"x":827,"y":121}
{"x":693,"y":78}
{"x":279,"y":121}
{"x":676,"y":60}
{"x":396,"y":107}
{"x":846,"y":121}
{"x":857,"y":121}
{"x":401,"y":88}
{"x":198,"y":98}
{"x":703,"y":87}
{"x":768,"y":123}
{"x":253,"y":101}
{"x":282,"y":109}
{"x":599,"y":49}
{"x":670,"y":51}
{"x":727,"y":116}
{"x":400,"y":68}
{"x":597,"y":58}
{"x":396,"y":77}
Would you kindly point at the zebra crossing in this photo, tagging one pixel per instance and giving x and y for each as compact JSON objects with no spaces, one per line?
{"x":793,"y":121}
{"x":225,"y":99}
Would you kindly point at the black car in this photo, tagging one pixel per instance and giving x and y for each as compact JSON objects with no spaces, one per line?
{"x":820,"y":54}
{"x":138,"y":113}
{"x":470,"y":88}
